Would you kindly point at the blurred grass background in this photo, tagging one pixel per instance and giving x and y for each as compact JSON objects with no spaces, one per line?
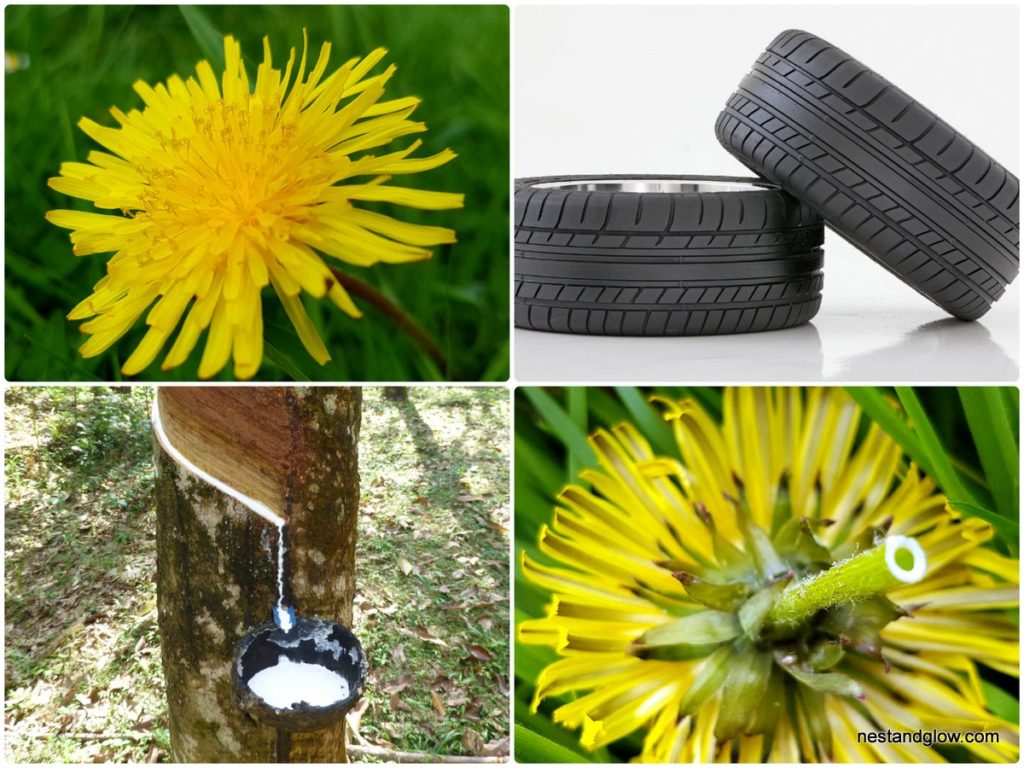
{"x":965,"y":438}
{"x":82,"y":60}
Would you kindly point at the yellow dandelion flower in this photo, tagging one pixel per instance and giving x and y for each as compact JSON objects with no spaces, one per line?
{"x":222,"y":187}
{"x":783,"y":584}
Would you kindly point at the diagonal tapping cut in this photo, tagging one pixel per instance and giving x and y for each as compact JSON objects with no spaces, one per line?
{"x":283,"y":615}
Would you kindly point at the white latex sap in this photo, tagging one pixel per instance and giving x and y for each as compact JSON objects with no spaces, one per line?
{"x":288,"y":683}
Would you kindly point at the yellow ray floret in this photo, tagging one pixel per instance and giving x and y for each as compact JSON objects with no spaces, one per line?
{"x":219,"y":188}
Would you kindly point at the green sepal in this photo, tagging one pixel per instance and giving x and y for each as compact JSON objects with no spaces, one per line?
{"x":675,"y":652}
{"x":783,"y":512}
{"x":732,"y":561}
{"x":772,"y":704}
{"x":752,"y":614}
{"x":708,"y":681}
{"x":825,"y":654}
{"x":719,"y":597}
{"x":797,"y":543}
{"x":703,"y":628}
{"x":815,"y":719}
{"x":868,"y":538}
{"x":860,"y":623}
{"x":743,"y":690}
{"x":825,"y":682}
{"x":767,"y":561}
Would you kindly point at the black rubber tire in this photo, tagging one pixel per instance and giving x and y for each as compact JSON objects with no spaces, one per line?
{"x":680,"y":263}
{"x":885,"y":173}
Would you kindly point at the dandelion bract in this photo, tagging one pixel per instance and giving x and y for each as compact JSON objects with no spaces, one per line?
{"x":783,"y":582}
{"x":219,"y":187}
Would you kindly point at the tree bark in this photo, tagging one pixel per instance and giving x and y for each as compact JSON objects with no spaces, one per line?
{"x":295,"y":450}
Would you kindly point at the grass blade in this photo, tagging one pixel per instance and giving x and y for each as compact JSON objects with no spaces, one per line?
{"x":873,"y":402}
{"x":531,"y":747}
{"x":991,"y":424}
{"x":942,"y":469}
{"x":562,"y":425}
{"x":648,"y":421}
{"x":576,"y":398}
{"x":1000,"y":702}
{"x":1008,"y":529}
{"x":207,"y":36}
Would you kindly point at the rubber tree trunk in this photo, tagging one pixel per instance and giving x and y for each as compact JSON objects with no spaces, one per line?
{"x":294,"y":449}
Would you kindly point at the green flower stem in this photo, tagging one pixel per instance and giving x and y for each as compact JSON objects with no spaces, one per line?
{"x":896,"y":561}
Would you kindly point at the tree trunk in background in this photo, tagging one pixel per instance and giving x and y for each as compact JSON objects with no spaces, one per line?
{"x":396,"y":394}
{"x":295,"y":449}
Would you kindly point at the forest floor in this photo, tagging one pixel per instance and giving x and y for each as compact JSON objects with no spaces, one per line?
{"x":84,"y":681}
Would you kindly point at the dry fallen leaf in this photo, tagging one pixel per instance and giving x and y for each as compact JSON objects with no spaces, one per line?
{"x":397,"y":705}
{"x":398,"y":655}
{"x":497,"y":747}
{"x":399,"y":684}
{"x":424,"y":635}
{"x":472,"y":741}
{"x":438,"y":705}
{"x":480,"y":653}
{"x":405,"y":566}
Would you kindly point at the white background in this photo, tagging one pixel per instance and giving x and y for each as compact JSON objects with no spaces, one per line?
{"x":637,"y":89}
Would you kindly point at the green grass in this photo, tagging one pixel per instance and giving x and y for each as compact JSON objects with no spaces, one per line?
{"x":433,"y":558}
{"x":83,"y":60}
{"x":84,"y":680}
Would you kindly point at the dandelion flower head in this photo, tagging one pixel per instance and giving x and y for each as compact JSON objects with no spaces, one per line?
{"x":219,"y":187}
{"x":742,"y":601}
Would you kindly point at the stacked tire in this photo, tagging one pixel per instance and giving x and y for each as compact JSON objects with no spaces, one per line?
{"x":833,"y":143}
{"x":703,"y":256}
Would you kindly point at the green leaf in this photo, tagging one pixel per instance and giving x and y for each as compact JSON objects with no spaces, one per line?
{"x":207,"y":36}
{"x":543,"y":474}
{"x":825,"y":655}
{"x":284,"y":361}
{"x":796,"y":542}
{"x":992,"y":426}
{"x":574,"y":438}
{"x":1008,"y":530}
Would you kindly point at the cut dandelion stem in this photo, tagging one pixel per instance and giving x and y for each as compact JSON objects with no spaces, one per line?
{"x":899,"y":560}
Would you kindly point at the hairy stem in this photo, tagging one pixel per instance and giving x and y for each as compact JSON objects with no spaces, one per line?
{"x":897,"y":560}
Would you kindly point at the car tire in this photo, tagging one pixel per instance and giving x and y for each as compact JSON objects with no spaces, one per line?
{"x":885,"y":173}
{"x":663,"y":256}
